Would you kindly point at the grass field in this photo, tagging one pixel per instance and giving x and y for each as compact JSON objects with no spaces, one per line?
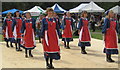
{"x":96,"y":36}
{"x":1,"y":37}
{"x":97,"y":30}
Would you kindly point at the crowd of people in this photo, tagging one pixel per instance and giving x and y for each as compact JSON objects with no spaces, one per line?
{"x":22,"y":29}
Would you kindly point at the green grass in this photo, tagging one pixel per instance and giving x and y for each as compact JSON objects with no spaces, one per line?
{"x":98,"y":30}
{"x":75,"y":36}
{"x":119,"y":36}
{"x":96,"y":36}
{"x":1,"y":37}
{"x":36,"y":38}
{"x":93,"y":35}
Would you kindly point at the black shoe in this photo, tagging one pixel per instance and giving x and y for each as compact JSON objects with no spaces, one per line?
{"x":40,"y":42}
{"x":7,"y":46}
{"x":11,"y":46}
{"x":20,"y":49}
{"x":17,"y":49}
{"x":110,"y":60}
{"x":84,"y":52}
{"x":52,"y":67}
{"x":67,"y":47}
{"x":26,"y":56}
{"x":48,"y":66}
{"x":64,"y":45}
{"x":31,"y":55}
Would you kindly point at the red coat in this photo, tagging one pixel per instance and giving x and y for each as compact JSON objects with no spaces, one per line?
{"x":67,"y":32}
{"x":18,"y":27}
{"x":28,"y":40}
{"x":8,"y":32}
{"x":84,"y":35}
{"x":111,"y":36}
{"x":50,"y":40}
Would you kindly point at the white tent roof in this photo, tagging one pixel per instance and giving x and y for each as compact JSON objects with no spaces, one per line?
{"x":35,"y":11}
{"x":92,"y":7}
{"x":76,"y":9}
{"x":116,"y":9}
{"x":58,"y":7}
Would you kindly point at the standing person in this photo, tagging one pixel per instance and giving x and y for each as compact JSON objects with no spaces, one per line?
{"x":118,"y":30}
{"x":38,"y":25}
{"x":67,"y":30}
{"x":110,"y":36}
{"x":84,"y":33}
{"x":17,"y":27}
{"x":23,"y":16}
{"x":92,"y":21}
{"x":7,"y":29}
{"x":64,"y":15}
{"x":50,"y":32}
{"x":57,"y":19}
{"x":28,"y":33}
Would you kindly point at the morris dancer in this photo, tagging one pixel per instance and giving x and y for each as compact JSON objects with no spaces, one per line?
{"x":17,"y":27}
{"x":110,"y":36}
{"x":67,"y":30}
{"x":84,"y":33}
{"x":38,"y":25}
{"x":50,"y":32}
{"x":7,"y":29}
{"x":58,"y":20}
{"x":28,"y":34}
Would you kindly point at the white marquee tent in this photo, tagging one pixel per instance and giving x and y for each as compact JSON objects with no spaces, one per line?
{"x":76,"y":9}
{"x":116,"y":9}
{"x":92,"y":7}
{"x":35,"y":11}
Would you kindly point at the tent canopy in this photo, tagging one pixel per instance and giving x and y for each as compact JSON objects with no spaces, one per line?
{"x":58,"y":9}
{"x":76,"y":9}
{"x":12,"y":11}
{"x":116,"y":9}
{"x":92,"y":7}
{"x":35,"y":11}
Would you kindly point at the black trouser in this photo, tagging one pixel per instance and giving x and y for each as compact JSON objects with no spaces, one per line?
{"x":49,"y":62}
{"x":30,"y":52}
{"x":83,"y":48}
{"x":18,"y":42}
{"x":93,"y":26}
{"x":108,"y":56}
{"x":39,"y":39}
{"x":65,"y":44}
{"x":8,"y":44}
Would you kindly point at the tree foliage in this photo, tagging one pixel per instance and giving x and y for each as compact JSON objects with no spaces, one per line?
{"x":66,"y":5}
